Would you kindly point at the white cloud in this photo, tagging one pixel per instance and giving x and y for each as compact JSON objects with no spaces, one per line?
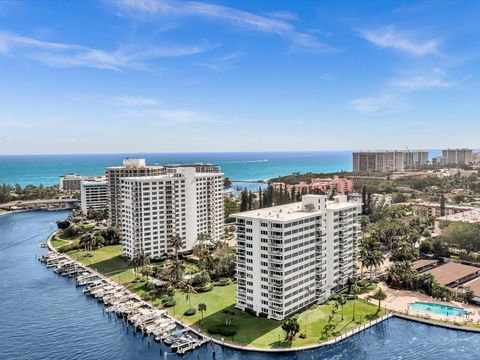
{"x":131,"y":101}
{"x":284,"y":15}
{"x":404,"y":41}
{"x":68,"y":55}
{"x":265,"y":24}
{"x":387,"y":103}
{"x":435,"y":80}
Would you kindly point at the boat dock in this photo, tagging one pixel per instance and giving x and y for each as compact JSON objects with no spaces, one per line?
{"x":118,"y":300}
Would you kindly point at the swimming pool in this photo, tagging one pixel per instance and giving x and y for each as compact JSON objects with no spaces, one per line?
{"x":427,"y":307}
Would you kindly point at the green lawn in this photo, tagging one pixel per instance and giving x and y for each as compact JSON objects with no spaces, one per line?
{"x":88,"y":227}
{"x":108,"y":261}
{"x":261,"y":332}
{"x":58,"y":243}
{"x":251,"y":330}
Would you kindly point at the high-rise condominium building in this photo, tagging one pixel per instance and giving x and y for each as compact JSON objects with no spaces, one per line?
{"x":293,"y":255}
{"x":73,"y":182}
{"x":457,"y":156}
{"x":94,"y":195}
{"x":186,"y":200}
{"x":130,"y":168}
{"x":388,"y":161}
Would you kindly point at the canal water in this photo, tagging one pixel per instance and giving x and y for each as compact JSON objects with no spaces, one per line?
{"x":44,"y":316}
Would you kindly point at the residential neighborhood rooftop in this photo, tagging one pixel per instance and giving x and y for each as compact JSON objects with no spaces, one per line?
{"x":453,"y":273}
{"x":470,"y":216}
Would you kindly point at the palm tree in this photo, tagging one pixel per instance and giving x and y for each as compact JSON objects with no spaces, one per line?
{"x":87,"y":241}
{"x":177,"y":271}
{"x":380,"y":296}
{"x":371,"y":255}
{"x":375,"y":262}
{"x":188,"y":290}
{"x":354,"y":290}
{"x":176,"y":242}
{"x":139,"y":260}
{"x":146,"y":271}
{"x":308,"y":293}
{"x":202,"y":307}
{"x":405,"y":250}
{"x":340,"y":299}
{"x":134,"y":262}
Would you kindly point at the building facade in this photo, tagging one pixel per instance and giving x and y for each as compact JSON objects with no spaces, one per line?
{"x":130,"y":168}
{"x":326,"y":186}
{"x":293,"y":255}
{"x":184,"y":201}
{"x":457,"y":156}
{"x":434,"y":209}
{"x":73,"y":182}
{"x":388,"y":161}
{"x":94,"y":195}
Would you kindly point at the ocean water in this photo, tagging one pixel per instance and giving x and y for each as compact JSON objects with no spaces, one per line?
{"x":245,"y":166}
{"x":44,"y":316}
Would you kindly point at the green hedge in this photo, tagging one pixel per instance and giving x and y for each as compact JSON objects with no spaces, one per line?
{"x":190,"y":312}
{"x":169,"y":303}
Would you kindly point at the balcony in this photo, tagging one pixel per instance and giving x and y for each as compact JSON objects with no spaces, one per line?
{"x":276,"y":291}
{"x":277,"y":283}
{"x":276,"y":276}
{"x":274,"y":267}
{"x":276,"y":307}
{"x":275,"y":261}
{"x":275,"y":251}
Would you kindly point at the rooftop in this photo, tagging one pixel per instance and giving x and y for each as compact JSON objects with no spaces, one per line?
{"x":470,"y":216}
{"x":452,"y":272}
{"x":422,"y":263}
{"x":437,"y":205}
{"x":475,"y":285}
{"x":293,"y":211}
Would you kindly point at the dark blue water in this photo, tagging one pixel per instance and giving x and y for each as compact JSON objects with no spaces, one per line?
{"x":45,"y":169}
{"x":44,"y":316}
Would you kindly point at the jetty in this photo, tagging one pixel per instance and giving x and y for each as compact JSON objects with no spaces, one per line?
{"x":120,"y":301}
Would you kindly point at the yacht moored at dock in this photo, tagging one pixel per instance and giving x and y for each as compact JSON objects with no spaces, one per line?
{"x":120,"y":301}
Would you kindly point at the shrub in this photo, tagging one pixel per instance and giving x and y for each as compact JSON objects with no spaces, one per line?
{"x":263,"y":315}
{"x":72,"y":245}
{"x":206,"y":288}
{"x":223,"y":282}
{"x":190,"y":312}
{"x":70,"y":231}
{"x":201,"y":279}
{"x":169,"y":303}
{"x":62,"y":225}
{"x":222,"y":330}
{"x":229,"y":311}
{"x":303,"y":336}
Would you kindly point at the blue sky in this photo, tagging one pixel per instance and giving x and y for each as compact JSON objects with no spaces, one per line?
{"x":155,"y":76}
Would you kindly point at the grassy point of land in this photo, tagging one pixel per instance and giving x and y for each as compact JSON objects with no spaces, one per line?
{"x":266,"y":333}
{"x":108,"y":261}
{"x":57,"y":244}
{"x":251,"y":330}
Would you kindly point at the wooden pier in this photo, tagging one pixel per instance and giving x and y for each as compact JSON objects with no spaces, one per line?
{"x":125,"y":304}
